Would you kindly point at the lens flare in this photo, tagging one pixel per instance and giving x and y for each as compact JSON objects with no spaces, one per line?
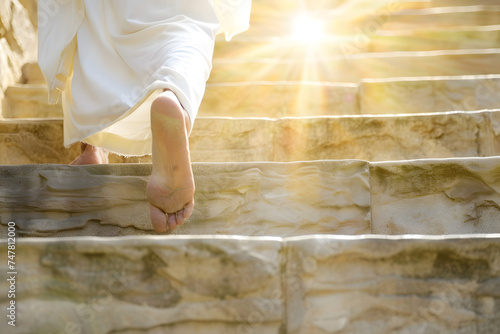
{"x":307,"y":29}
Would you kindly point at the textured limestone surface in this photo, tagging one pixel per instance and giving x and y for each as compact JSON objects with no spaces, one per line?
{"x":218,"y":139}
{"x":436,"y":197}
{"x":277,"y":199}
{"x":18,"y":43}
{"x":213,"y":285}
{"x":386,"y":285}
{"x":216,"y":284}
{"x":355,"y":67}
{"x":425,"y":95}
{"x":27,"y":141}
{"x":29,"y":101}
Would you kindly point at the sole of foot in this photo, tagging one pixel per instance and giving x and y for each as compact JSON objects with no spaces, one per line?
{"x":170,"y":190}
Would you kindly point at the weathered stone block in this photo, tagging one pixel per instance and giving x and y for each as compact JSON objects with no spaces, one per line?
{"x":232,"y":139}
{"x":277,"y":199}
{"x":436,"y":197}
{"x":147,"y":285}
{"x":382,"y":138}
{"x":28,"y":141}
{"x":393,"y":285}
{"x":280,"y":99}
{"x":29,"y":101}
{"x":426,"y":95}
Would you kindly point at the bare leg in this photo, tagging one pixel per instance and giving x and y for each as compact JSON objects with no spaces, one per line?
{"x":170,"y":190}
{"x":91,"y":155}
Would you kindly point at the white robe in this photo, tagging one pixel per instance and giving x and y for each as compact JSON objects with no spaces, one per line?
{"x":109,"y":59}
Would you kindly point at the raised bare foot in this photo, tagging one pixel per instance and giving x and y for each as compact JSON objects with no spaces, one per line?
{"x":91,"y":155}
{"x":170,"y":190}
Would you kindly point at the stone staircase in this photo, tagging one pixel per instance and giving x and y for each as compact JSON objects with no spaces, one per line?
{"x":350,"y":185}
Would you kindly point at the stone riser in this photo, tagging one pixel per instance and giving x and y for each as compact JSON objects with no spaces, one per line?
{"x":450,"y":3}
{"x":320,"y":284}
{"x":345,"y":25}
{"x":372,"y":138}
{"x":458,"y":196}
{"x":384,"y":41}
{"x":371,"y":97}
{"x":354,"y":68}
{"x":434,"y":18}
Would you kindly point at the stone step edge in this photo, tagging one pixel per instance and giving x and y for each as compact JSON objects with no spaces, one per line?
{"x":42,"y":87}
{"x":367,"y":55}
{"x":274,"y":283}
{"x":159,"y":239}
{"x":277,"y":119}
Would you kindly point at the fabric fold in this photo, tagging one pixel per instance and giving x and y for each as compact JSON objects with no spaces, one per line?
{"x":108,"y":59}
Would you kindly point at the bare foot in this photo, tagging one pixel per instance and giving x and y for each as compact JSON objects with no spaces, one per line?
{"x":170,"y":190}
{"x":91,"y":155}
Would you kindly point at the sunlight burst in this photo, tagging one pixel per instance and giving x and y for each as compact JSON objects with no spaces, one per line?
{"x":307,"y":29}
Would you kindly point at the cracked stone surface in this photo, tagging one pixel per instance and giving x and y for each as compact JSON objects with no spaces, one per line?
{"x":148,"y":285}
{"x":447,"y":196}
{"x":383,"y":285}
{"x":218,"y":139}
{"x":245,"y":199}
{"x":216,"y":284}
{"x":436,"y":197}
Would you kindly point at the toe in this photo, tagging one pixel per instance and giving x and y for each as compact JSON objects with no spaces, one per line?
{"x":188,"y":210}
{"x":179,"y":217}
{"x":172,"y":223}
{"x":159,"y":219}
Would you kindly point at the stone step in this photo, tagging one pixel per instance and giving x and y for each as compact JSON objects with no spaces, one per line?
{"x":215,"y":284}
{"x":409,"y":95}
{"x":218,"y":139}
{"x":339,"y":21}
{"x":348,"y":197}
{"x":26,"y":141}
{"x":445,"y":17}
{"x":263,"y":8}
{"x":483,"y":37}
{"x":451,"y":3}
{"x":282,"y":99}
{"x":355,"y":67}
{"x":29,"y":101}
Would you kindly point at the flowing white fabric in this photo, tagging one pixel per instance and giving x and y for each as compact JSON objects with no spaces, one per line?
{"x":109,"y":59}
